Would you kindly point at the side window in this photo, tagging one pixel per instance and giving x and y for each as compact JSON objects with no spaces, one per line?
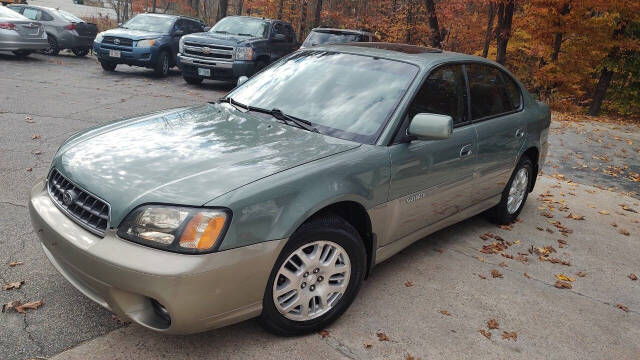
{"x":289,"y":33}
{"x":489,"y":93}
{"x":445,"y":93}
{"x":513,"y":92}
{"x":45,"y":17}
{"x":194,"y":27}
{"x":181,"y":24}
{"x":31,"y":13}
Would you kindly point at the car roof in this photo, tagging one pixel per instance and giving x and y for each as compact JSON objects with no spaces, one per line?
{"x":419,"y":55}
{"x":348,"y":31}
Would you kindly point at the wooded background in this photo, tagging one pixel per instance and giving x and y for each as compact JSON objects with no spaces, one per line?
{"x":579,"y":56}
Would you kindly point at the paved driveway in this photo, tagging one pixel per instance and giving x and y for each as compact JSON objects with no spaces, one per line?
{"x":43,"y":100}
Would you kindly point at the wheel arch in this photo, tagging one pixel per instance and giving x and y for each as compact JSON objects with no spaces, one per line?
{"x":533,"y":153}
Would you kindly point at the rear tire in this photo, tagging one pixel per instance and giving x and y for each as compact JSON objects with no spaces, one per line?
{"x":514,"y":194}
{"x":260,"y":64}
{"x":108,"y":66}
{"x":161,"y":69}
{"x":22,"y":53}
{"x":323,"y":284}
{"x":192,"y":80}
{"x":80,"y":52}
{"x":53,"y":48}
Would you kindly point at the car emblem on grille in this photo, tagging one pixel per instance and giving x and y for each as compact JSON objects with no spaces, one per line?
{"x":68,"y":197}
{"x":116,"y":41}
{"x":206,"y":50}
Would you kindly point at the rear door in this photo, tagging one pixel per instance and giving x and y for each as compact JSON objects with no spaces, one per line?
{"x":496,"y":104}
{"x":430,"y":180}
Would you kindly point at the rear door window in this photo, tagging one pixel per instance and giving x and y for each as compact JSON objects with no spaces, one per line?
{"x":490,"y":94}
{"x":445,"y":93}
{"x":31,"y":13}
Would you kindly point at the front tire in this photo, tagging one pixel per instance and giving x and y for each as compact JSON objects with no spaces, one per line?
{"x":21,"y":53}
{"x":53,"y":48}
{"x":80,"y":52}
{"x":514,"y":195}
{"x":192,"y":80}
{"x":108,"y":66}
{"x":161,"y":69}
{"x":316,"y":277}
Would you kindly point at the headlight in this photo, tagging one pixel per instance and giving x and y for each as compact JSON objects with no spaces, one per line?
{"x":146,"y":43}
{"x":181,"y":45}
{"x":244,"y":53}
{"x":98,"y":38}
{"x":179,"y":229}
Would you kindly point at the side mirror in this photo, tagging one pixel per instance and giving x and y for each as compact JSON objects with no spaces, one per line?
{"x":280,"y":37}
{"x":242,"y":80}
{"x":119,"y":24}
{"x":206,"y":29}
{"x":178,"y":32}
{"x":431,"y":127}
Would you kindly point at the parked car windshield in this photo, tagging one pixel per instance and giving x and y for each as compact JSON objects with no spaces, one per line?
{"x":343,"y":95}
{"x":321,"y":37}
{"x":152,"y":23}
{"x":10,"y":14}
{"x":241,"y":26}
{"x":69,"y":17}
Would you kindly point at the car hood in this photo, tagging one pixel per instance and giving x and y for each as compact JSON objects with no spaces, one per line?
{"x":186,"y":156}
{"x":132,"y":34}
{"x":220,"y":39}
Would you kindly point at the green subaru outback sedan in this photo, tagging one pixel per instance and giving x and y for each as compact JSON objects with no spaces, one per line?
{"x":278,"y":200}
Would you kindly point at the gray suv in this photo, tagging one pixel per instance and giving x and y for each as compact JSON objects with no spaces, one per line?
{"x":64,"y":30}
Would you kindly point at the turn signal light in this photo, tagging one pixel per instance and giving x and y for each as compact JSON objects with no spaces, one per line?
{"x":203,"y":230}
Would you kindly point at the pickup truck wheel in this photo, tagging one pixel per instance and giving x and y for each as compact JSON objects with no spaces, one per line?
{"x":108,"y":66}
{"x":316,"y":277}
{"x":514,"y":195}
{"x":21,"y":53}
{"x":161,"y":68}
{"x":192,"y":80}
{"x":80,"y":52}
{"x":53,"y":48}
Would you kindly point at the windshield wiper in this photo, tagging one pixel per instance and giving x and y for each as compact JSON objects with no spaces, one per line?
{"x":243,"y":34}
{"x":220,"y":31}
{"x":276,"y":113}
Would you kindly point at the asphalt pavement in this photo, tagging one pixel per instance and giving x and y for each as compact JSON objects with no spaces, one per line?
{"x":429,"y":301}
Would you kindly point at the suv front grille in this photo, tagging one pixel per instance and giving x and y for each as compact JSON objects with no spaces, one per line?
{"x":85,"y":209}
{"x":117,"y":41}
{"x":213,"y":52}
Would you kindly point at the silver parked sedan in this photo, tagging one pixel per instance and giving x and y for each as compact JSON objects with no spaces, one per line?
{"x":64,"y":30}
{"x":19,"y":34}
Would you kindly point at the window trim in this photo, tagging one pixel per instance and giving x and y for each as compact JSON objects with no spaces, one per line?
{"x":502,"y":73}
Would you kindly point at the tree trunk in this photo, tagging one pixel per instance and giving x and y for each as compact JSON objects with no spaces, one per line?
{"x":222,"y":9}
{"x":409,"y":22}
{"x":505,"y":18}
{"x":280,"y":8}
{"x":601,"y":91}
{"x":557,"y":38}
{"x":435,"y":37}
{"x":303,"y":20}
{"x":488,"y":36}
{"x":317,"y":14}
{"x":240,"y":6}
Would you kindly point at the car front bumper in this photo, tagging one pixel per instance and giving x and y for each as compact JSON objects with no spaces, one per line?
{"x":199,"y":292}
{"x":135,"y":56}
{"x":220,"y":70}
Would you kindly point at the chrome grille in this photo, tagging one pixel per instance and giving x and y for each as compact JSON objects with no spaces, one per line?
{"x":212,"y":52}
{"x":87,"y":210}
{"x":117,"y":41}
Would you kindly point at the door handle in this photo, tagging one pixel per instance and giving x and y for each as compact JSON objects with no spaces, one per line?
{"x":519,"y":133}
{"x":466,"y":150}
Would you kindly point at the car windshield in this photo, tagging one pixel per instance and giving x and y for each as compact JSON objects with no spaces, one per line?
{"x":241,"y":26}
{"x":152,"y":23}
{"x":69,"y":17}
{"x":343,"y":95}
{"x":10,"y":14}
{"x":321,"y":37}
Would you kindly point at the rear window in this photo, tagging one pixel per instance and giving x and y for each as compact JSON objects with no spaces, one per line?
{"x":322,"y":37}
{"x":69,"y":17}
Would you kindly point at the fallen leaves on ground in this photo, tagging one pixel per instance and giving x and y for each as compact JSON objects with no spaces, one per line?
{"x":624,"y":232}
{"x":633,"y":276}
{"x":485,"y":333}
{"x":622,"y":307}
{"x":368,"y":346}
{"x":382,"y":336}
{"x":493,"y":324}
{"x":574,"y":216}
{"x":564,"y":277}
{"x":324,"y":333}
{"x":445,"y":312}
{"x":15,"y":263}
{"x":527,"y":276}
{"x":604,"y":212}
{"x":21,"y":308}
{"x":28,"y":119}
{"x":496,"y":274}
{"x":12,"y":285}
{"x":510,"y":335}
{"x":581,"y":274}
{"x":627,"y":208}
{"x":482,"y":277}
{"x":35,"y":137}
{"x":410,"y":357}
{"x":562,"y":285}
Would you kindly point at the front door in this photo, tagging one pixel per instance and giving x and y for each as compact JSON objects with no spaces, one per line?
{"x":495,"y":104}
{"x":430,"y":180}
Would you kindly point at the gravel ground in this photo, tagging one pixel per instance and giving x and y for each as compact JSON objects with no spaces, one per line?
{"x":45,"y":99}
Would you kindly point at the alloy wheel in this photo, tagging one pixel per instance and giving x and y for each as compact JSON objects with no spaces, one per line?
{"x":518,"y":190}
{"x":312,"y":280}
